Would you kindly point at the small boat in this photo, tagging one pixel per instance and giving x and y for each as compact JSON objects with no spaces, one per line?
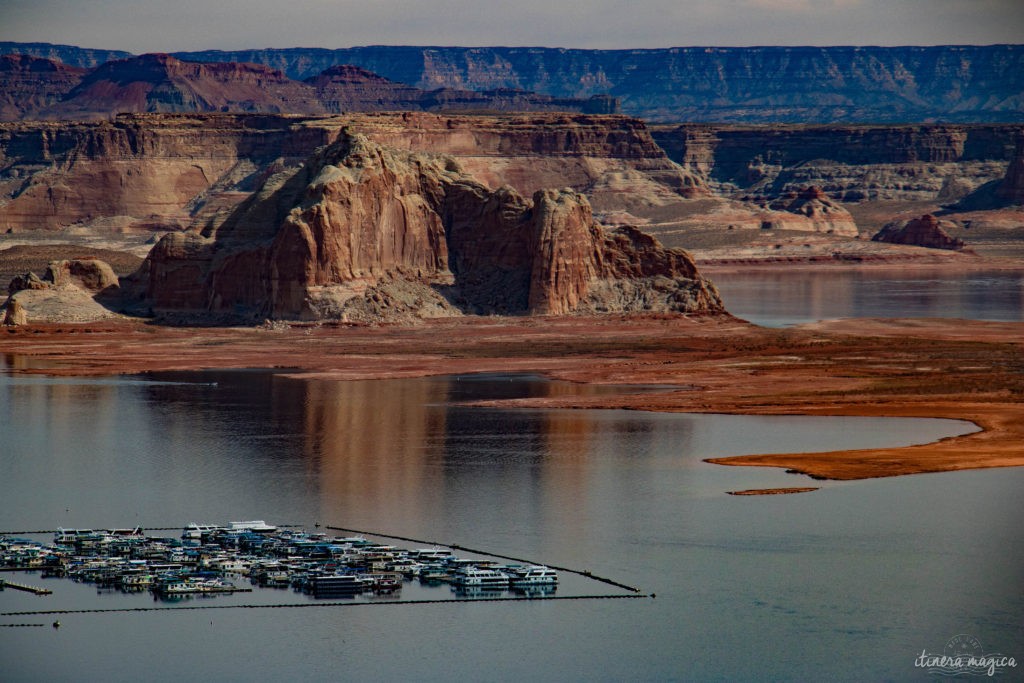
{"x":387,"y":584}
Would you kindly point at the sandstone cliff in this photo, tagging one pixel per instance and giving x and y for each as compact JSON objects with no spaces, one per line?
{"x":934,"y":162}
{"x":158,"y":172}
{"x":360,"y":225}
{"x":347,"y":88}
{"x":741,"y":84}
{"x":29,"y":85}
{"x":72,"y":55}
{"x":37,"y":88}
{"x":1011,"y":189}
{"x":745,"y":84}
{"x":150,"y":172}
{"x":161,"y":83}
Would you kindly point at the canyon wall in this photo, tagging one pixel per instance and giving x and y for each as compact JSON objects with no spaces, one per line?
{"x":168,"y":171}
{"x":31,"y":84}
{"x":747,"y":84}
{"x":956,"y":83}
{"x":34,"y":88}
{"x":72,"y":55}
{"x":942,"y":162}
{"x":1011,"y":189}
{"x":153,"y":172}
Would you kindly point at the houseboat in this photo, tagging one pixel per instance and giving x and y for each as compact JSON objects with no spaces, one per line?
{"x":334,"y":585}
{"x":535,"y":575}
{"x":484,"y":578}
{"x":257,"y":526}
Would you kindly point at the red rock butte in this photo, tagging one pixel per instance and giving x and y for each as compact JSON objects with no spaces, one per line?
{"x":362,"y":231}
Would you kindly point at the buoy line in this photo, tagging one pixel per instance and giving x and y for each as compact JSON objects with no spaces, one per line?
{"x":460,"y":601}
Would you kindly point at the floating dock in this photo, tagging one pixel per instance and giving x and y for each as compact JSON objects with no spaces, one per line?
{"x":24,"y":587}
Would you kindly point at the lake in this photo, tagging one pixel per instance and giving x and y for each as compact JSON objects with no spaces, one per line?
{"x":778,"y":298}
{"x":850,"y":582}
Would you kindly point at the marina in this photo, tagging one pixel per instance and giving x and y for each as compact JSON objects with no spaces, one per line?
{"x":209,"y":559}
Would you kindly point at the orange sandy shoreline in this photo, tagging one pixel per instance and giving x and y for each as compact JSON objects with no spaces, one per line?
{"x":954,"y":369}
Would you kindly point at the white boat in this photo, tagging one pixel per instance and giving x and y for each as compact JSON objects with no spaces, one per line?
{"x":235,"y":565}
{"x":434,"y":574}
{"x":71,"y":536}
{"x":137,"y":581}
{"x":197,"y":531}
{"x":256,"y":526}
{"x":188,"y":586}
{"x":536,"y":575}
{"x":135,"y":533}
{"x":431,"y":554}
{"x":472,"y":576}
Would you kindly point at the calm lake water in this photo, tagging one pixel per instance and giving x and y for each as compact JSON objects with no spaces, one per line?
{"x":850,"y":582}
{"x":780,"y":298}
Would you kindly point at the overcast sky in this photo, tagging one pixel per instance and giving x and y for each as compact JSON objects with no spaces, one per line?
{"x":170,"y":25}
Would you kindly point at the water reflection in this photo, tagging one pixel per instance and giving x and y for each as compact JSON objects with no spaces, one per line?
{"x":778,"y":298}
{"x":622,"y":493}
{"x":402,"y":454}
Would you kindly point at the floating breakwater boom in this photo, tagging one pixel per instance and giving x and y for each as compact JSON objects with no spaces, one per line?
{"x":211,"y":559}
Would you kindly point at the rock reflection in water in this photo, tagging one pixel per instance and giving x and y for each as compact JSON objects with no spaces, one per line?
{"x":776,"y":298}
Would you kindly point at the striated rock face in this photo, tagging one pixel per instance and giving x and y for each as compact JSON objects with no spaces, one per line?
{"x":41,"y":88}
{"x":156,"y":171}
{"x":347,"y":88}
{"x":919,"y":232}
{"x":563,"y":250}
{"x":176,"y":271}
{"x":72,"y":55}
{"x":350,"y":88}
{"x":361,"y":226}
{"x":161,"y":83}
{"x":748,"y":84}
{"x":162,"y":171}
{"x":850,"y":163}
{"x":612,"y":159}
{"x":745,"y":84}
{"x":30,"y":84}
{"x":1011,"y":189}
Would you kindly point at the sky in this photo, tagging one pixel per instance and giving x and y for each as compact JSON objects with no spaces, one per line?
{"x":177,"y":25}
